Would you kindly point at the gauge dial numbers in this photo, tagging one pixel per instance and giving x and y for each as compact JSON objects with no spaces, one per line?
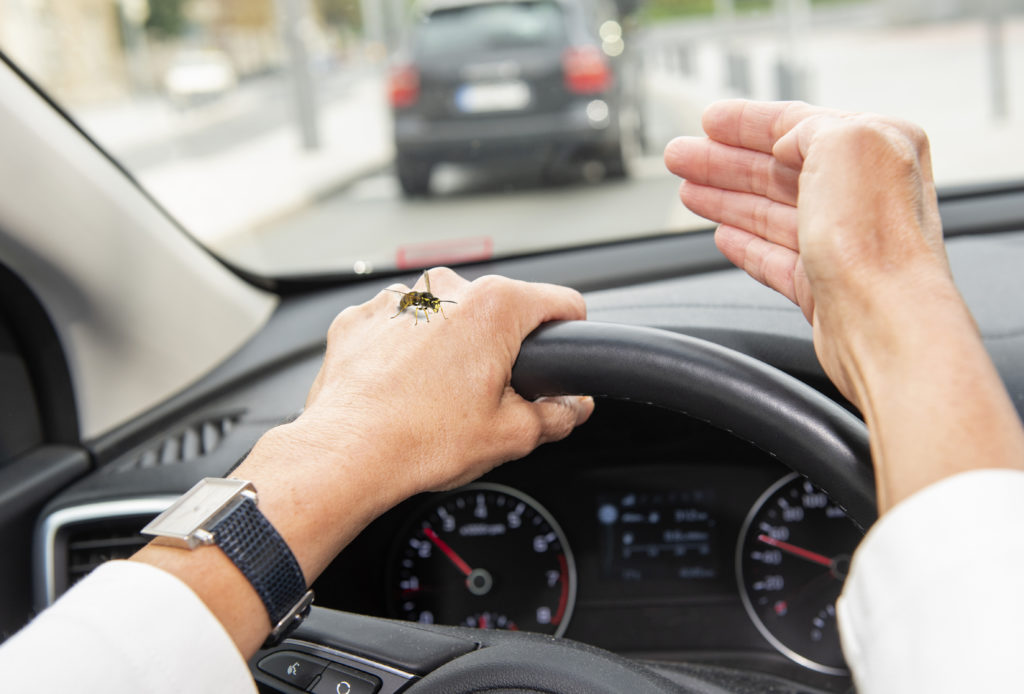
{"x":791,"y":561}
{"x":485,"y":556}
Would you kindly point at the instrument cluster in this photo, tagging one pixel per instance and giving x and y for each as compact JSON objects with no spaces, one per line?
{"x":693,"y":547}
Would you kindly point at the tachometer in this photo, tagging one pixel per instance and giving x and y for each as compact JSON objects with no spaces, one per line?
{"x":484,"y":556}
{"x":793,"y":556}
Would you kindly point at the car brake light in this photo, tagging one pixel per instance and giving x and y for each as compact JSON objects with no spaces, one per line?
{"x":586,"y":70}
{"x":404,"y":86}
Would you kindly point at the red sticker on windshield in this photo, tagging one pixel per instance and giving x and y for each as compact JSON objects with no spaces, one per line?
{"x":449,"y":252}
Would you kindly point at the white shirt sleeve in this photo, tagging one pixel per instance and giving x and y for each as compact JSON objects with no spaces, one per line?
{"x":127,"y":627}
{"x":934,"y":601}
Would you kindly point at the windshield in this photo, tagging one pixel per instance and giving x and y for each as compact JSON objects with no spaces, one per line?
{"x":340,"y":137}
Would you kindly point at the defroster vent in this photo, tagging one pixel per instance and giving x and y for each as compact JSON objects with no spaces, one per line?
{"x":194,"y":441}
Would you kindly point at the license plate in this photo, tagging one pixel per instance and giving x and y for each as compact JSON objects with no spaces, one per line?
{"x":513,"y":95}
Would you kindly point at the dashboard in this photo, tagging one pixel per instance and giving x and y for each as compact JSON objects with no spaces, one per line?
{"x":664,"y":539}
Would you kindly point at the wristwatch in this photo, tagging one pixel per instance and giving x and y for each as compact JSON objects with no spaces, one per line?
{"x":223,"y":512}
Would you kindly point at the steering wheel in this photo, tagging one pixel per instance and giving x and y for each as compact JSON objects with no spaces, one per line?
{"x":758,"y":403}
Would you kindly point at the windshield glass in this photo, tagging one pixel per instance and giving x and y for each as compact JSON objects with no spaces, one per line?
{"x":339,"y":137}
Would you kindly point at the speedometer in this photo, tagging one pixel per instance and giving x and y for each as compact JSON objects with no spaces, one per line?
{"x":484,"y":556}
{"x":792,"y":558}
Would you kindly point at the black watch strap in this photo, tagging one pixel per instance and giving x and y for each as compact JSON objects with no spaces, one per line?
{"x":261,"y":554}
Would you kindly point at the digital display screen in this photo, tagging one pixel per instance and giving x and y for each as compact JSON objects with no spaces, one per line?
{"x":659,"y":536}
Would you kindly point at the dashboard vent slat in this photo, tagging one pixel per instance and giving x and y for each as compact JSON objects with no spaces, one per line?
{"x":197,"y":439}
{"x":88,"y":546}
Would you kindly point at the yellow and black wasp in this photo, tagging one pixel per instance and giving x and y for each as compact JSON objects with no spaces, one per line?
{"x":421,"y":301}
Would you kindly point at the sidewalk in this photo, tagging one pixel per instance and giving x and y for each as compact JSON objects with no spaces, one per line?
{"x":937,"y":75}
{"x":221,"y":196}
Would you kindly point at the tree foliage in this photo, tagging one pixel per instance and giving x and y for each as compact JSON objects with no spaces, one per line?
{"x":340,"y":12}
{"x":166,"y":18}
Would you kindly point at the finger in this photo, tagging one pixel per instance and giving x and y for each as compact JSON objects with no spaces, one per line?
{"x":528,"y":304}
{"x":756,"y":125}
{"x":768,"y":263}
{"x":712,"y":163}
{"x":792,"y":149}
{"x":773,"y":221}
{"x":550,"y":302}
{"x":559,"y":415}
{"x":544,"y":420}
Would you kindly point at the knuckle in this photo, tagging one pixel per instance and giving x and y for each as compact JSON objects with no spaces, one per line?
{"x":762,"y":221}
{"x":490,"y":283}
{"x":338,"y":323}
{"x":877,"y":138}
{"x":492,"y":292}
{"x":561,"y":425}
{"x":442,"y":272}
{"x":915,"y":133}
{"x":762,"y":174}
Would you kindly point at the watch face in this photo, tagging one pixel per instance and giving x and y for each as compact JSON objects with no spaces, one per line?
{"x":194,"y":510}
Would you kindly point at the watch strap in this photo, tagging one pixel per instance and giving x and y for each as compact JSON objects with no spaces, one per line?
{"x":249,"y":540}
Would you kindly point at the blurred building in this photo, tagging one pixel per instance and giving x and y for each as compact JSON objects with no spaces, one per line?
{"x":72,"y":46}
{"x":937,"y":10}
{"x":88,"y":51}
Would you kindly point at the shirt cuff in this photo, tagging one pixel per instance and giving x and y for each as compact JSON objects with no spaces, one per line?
{"x":933,"y":601}
{"x":126,"y":627}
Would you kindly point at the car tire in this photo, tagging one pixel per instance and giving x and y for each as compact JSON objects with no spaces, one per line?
{"x":413,"y":176}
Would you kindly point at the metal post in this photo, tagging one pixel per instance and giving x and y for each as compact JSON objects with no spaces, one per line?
{"x":996,"y":40}
{"x":791,"y":73}
{"x":295,"y":21}
{"x":373,"y":22}
{"x":737,"y":63}
{"x":394,"y":18}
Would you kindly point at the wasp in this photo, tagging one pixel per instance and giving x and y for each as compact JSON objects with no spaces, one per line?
{"x":421,"y":301}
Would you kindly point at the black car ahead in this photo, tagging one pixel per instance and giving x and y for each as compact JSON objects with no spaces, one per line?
{"x":537,"y":80}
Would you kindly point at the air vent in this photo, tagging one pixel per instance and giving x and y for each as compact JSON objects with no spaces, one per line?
{"x":91,"y":545}
{"x":196,"y":440}
{"x":73,"y":541}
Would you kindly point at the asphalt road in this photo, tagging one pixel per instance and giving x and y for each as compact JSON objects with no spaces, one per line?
{"x":472,"y":214}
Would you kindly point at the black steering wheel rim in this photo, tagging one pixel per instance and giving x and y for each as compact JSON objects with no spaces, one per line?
{"x":754,"y":401}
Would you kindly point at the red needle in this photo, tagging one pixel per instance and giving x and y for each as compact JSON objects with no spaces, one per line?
{"x":798,"y":551}
{"x":460,"y":564}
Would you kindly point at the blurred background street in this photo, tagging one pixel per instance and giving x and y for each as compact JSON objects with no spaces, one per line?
{"x":238,"y":116}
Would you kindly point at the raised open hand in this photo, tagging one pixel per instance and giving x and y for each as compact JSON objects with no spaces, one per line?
{"x":836,"y":211}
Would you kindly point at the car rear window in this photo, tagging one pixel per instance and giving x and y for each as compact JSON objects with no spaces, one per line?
{"x":491,"y":26}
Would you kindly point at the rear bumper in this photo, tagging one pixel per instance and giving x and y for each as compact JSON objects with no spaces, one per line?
{"x":519,"y":136}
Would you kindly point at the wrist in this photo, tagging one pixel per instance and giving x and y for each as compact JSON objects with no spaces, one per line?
{"x":876,"y":333}
{"x":922,"y":378}
{"x":319,"y":491}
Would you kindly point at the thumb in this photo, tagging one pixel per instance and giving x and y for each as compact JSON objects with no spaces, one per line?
{"x":559,"y":415}
{"x":791,"y":149}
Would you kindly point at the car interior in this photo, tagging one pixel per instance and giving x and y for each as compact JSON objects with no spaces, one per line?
{"x":692,"y":537}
